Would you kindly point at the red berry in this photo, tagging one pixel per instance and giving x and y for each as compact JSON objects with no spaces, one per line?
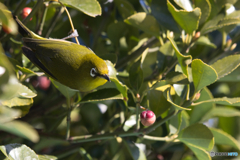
{"x":26,"y":11}
{"x":147,"y":118}
{"x":6,"y":29}
{"x":44,"y":82}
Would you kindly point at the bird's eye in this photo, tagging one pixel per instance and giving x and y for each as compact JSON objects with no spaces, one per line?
{"x":93,"y":72}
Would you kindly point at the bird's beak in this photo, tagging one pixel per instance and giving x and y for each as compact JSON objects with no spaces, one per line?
{"x":105,"y":76}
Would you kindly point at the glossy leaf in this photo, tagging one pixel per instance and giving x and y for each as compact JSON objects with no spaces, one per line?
{"x":183,"y":60}
{"x":223,"y":101}
{"x":136,"y":76}
{"x":232,"y":77}
{"x":20,"y":129}
{"x":185,"y":4}
{"x":200,"y":153}
{"x":125,"y":8}
{"x":8,"y":114}
{"x":23,"y":91}
{"x":176,"y":78}
{"x":101,"y":95}
{"x":203,"y":74}
{"x":203,"y":40}
{"x":163,"y":16}
{"x":16,"y":101}
{"x":223,"y":138}
{"x":226,"y":65}
{"x":66,"y":91}
{"x":220,"y":112}
{"x":197,"y":135}
{"x":167,"y":49}
{"x":135,"y":152}
{"x":199,"y":110}
{"x":18,"y":151}
{"x":144,"y":22}
{"x":188,"y":20}
{"x":211,"y":26}
{"x":205,"y":7}
{"x":157,"y":102}
{"x":47,"y":157}
{"x":89,"y":7}
{"x":29,"y":72}
{"x":170,"y":100}
{"x":116,"y":30}
{"x":9,"y":83}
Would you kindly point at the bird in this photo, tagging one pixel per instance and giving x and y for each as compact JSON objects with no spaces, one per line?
{"x":71,"y":64}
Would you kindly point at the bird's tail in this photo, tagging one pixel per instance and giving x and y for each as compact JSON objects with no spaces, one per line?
{"x":24,"y":31}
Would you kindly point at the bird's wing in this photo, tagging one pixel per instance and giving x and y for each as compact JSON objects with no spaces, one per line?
{"x":57,"y":51}
{"x":31,"y":56}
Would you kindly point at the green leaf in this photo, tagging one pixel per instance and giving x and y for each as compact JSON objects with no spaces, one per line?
{"x":23,"y":104}
{"x":135,"y":152}
{"x":29,"y":72}
{"x":167,"y":49}
{"x":7,"y":114}
{"x":215,"y":25}
{"x":226,"y":65}
{"x":20,"y":129}
{"x":163,"y":16}
{"x":84,"y":154}
{"x":223,"y":138}
{"x":17,"y":151}
{"x":232,"y":77}
{"x":66,"y":91}
{"x":203,"y":74}
{"x":205,"y":7}
{"x":223,"y":101}
{"x":89,"y":7}
{"x":157,"y":102}
{"x":125,"y":8}
{"x":169,"y":99}
{"x":9,"y":83}
{"x":136,"y":76}
{"x":145,"y":22}
{"x":205,"y":41}
{"x":200,"y":153}
{"x":176,"y":78}
{"x":101,"y":95}
{"x":23,"y":91}
{"x":185,"y":4}
{"x":183,"y":60}
{"x":199,"y":110}
{"x":121,"y":88}
{"x":220,"y":112}
{"x":188,"y":20}
{"x":47,"y":157}
{"x":197,"y":135}
{"x":17,"y":101}
{"x":116,"y":30}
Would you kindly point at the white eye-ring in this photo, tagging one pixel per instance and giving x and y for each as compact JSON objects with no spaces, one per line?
{"x":93,"y":72}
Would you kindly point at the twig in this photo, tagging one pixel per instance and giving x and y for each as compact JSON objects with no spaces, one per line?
{"x":123,"y":62}
{"x":68,"y":118}
{"x":54,"y":21}
{"x":89,"y":138}
{"x":34,"y":10}
{"x":70,"y":19}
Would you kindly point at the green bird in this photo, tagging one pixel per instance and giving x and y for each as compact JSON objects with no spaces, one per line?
{"x":73,"y":65}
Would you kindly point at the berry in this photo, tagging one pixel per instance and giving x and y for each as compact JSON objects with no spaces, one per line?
{"x":147,"y":118}
{"x":44,"y":82}
{"x":26,"y":11}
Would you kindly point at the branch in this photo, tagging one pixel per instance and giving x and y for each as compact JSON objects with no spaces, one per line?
{"x":123,"y":62}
